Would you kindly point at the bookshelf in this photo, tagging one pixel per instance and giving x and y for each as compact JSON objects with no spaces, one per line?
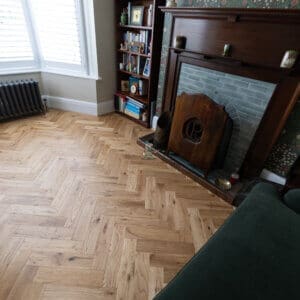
{"x":138,"y":45}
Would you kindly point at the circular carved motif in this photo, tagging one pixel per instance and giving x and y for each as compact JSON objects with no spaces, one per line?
{"x":193,"y":130}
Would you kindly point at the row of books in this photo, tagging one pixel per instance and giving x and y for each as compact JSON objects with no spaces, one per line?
{"x":135,"y":64}
{"x":142,"y":37}
{"x":137,"y":42}
{"x":129,"y":106}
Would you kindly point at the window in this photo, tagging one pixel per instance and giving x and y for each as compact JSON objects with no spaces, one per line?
{"x":57,"y":29}
{"x":15,"y":45}
{"x":53,"y":29}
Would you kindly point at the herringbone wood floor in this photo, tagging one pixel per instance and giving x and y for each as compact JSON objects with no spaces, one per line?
{"x":84,"y":216}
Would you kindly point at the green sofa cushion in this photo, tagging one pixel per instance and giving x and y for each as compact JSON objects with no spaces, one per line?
{"x":292,"y":200}
{"x":254,"y":255}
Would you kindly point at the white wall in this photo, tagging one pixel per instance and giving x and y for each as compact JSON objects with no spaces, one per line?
{"x":82,"y":89}
{"x":105,"y":41}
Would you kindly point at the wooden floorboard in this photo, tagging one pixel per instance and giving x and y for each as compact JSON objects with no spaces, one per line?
{"x":84,"y":216}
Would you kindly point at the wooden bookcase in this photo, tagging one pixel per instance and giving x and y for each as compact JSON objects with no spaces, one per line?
{"x":133,"y":60}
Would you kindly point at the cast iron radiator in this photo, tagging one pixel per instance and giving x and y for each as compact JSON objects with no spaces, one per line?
{"x":20,"y":98}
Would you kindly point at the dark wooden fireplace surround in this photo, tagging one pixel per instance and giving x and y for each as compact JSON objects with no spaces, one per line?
{"x":258,"y":39}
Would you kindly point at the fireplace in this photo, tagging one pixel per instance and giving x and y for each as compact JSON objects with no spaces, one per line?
{"x":234,"y":57}
{"x":244,"y":99}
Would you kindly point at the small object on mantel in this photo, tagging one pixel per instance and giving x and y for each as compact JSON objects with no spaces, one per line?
{"x":171,"y":3}
{"x":289,"y":59}
{"x":180,"y":42}
{"x":227,"y":49}
{"x":223,"y":183}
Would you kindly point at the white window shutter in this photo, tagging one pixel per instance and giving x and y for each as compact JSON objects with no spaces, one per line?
{"x":15,"y":45}
{"x":56,"y":23}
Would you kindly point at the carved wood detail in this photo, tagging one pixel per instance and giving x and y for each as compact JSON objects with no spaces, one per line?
{"x":197,"y":129}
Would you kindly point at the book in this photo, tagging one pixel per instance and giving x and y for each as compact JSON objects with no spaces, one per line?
{"x":135,"y":102}
{"x":143,"y":87}
{"x":132,"y":108}
{"x":131,"y":114}
{"x":120,"y":102}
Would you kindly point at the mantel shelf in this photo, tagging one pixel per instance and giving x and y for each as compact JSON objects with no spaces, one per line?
{"x":274,"y":72}
{"x":232,"y":11}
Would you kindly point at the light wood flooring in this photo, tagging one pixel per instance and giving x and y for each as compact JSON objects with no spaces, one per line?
{"x":84,"y":216}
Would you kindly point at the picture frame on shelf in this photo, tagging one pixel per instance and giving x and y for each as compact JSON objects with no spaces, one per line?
{"x":146,"y":71}
{"x":125,"y":86}
{"x":137,"y":15}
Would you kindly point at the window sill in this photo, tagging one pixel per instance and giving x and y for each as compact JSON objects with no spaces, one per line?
{"x":70,"y":74}
{"x":19,"y":72}
{"x":35,"y":71}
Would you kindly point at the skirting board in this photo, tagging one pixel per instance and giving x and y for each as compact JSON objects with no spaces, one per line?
{"x":83,"y":107}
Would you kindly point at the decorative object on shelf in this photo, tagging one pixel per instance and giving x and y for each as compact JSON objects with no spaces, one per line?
{"x":137,"y":15}
{"x":134,"y":85}
{"x":124,"y":17}
{"x":121,"y":66}
{"x":149,"y":15}
{"x":289,"y":59}
{"x":162,"y":132}
{"x":146,"y":71}
{"x":125,"y":85}
{"x":124,"y":46}
{"x":227,"y":50}
{"x":144,"y":116}
{"x":180,"y":42}
{"x":171,"y":3}
{"x":137,"y":47}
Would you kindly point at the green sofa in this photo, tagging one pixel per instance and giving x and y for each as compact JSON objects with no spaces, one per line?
{"x":255,"y":255}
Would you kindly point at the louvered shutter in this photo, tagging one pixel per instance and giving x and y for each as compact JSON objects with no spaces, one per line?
{"x":57,"y":26}
{"x":15,"y":45}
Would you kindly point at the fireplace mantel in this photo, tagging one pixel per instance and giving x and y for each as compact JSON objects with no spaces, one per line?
{"x":259,"y":39}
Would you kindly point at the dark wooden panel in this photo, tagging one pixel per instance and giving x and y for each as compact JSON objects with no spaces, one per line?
{"x":280,"y":107}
